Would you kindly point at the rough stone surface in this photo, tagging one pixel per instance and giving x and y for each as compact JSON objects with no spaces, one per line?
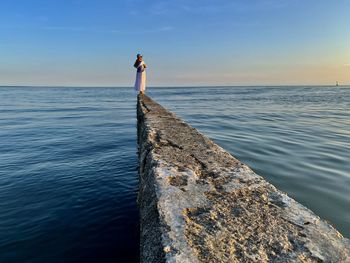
{"x":200,"y":204}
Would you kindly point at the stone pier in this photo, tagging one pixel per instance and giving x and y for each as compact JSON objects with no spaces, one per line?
{"x":200,"y":204}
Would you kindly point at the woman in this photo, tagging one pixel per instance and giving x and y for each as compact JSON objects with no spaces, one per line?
{"x":140,"y":83}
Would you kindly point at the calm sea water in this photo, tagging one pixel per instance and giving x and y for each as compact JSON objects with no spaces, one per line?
{"x":68,"y":160}
{"x":68,"y":175}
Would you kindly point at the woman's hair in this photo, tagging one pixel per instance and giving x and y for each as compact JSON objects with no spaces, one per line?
{"x":137,"y":63}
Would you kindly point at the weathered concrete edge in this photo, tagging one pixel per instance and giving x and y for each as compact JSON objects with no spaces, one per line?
{"x":151,"y":243}
{"x":157,"y":245}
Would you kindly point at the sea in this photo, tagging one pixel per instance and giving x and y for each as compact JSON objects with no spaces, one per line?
{"x":69,"y":164}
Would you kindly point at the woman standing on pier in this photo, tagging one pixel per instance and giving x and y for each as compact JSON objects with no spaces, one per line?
{"x":140,"y":83}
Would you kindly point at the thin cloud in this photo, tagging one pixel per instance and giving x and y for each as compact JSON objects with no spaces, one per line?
{"x":65,"y":28}
{"x":42,"y":18}
{"x":168,"y":7}
{"x":89,"y":29}
{"x":80,"y":29}
{"x":134,"y":13}
{"x":158,"y":29}
{"x":161,"y":8}
{"x":99,"y":30}
{"x":62,"y":28}
{"x":165,"y":28}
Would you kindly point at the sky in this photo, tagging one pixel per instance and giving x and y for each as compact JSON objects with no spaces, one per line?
{"x":184,"y":42}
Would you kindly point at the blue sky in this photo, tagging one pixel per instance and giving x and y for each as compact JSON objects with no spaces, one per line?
{"x":184,"y":42}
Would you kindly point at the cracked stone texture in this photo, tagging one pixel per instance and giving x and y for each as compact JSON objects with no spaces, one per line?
{"x":200,"y":204}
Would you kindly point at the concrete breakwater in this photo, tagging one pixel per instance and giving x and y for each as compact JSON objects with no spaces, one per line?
{"x":200,"y":204}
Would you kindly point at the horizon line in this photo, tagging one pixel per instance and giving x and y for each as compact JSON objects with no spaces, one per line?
{"x":174,"y":86}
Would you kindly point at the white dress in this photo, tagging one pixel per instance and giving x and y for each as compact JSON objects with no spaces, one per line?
{"x":140,"y":83}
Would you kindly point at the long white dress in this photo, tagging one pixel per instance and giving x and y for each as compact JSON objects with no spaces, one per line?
{"x":140,"y":83}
